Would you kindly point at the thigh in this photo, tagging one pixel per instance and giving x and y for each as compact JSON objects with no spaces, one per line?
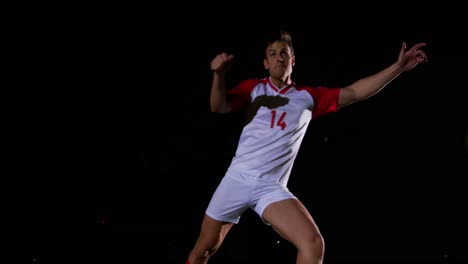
{"x":292,"y":221}
{"x":267,"y":194}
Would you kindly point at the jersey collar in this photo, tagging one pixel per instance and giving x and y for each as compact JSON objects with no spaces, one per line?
{"x":281,"y":90}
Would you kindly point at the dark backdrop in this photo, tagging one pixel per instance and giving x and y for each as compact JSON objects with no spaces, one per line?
{"x":382,"y":178}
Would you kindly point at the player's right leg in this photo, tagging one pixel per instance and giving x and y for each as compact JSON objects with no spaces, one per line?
{"x":210,"y":239}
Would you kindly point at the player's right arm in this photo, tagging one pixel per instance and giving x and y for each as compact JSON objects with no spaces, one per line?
{"x":218,"y":99}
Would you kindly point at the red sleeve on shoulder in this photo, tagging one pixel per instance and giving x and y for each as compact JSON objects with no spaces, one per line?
{"x":325,"y":99}
{"x":239,"y":96}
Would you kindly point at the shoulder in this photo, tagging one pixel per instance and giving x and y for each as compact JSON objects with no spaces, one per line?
{"x":317,"y":91}
{"x":252,"y":81}
{"x":249,"y":84}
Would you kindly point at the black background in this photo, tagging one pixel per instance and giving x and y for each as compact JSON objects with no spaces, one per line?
{"x":123,"y":153}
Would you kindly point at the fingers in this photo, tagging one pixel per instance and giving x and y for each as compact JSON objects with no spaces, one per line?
{"x":419,"y":45}
{"x":420,"y":54}
{"x":422,"y":57}
{"x":415,"y":51}
{"x":225,"y":57}
{"x":414,"y":47}
{"x":221,"y":62}
{"x":403,"y":48}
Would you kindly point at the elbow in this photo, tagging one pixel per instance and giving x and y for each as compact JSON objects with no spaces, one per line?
{"x":355,"y":96}
{"x":215,"y":110}
{"x":348,"y":96}
{"x":219,"y":109}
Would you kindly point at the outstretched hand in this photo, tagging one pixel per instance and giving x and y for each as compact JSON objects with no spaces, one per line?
{"x":408,"y":59}
{"x":222,"y":62}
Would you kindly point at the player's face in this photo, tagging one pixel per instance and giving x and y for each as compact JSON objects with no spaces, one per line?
{"x":279,"y":60}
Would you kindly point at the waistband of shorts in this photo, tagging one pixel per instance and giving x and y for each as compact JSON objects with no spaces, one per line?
{"x":246,"y":177}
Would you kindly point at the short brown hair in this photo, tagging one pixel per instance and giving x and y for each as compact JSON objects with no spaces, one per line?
{"x":280,"y":35}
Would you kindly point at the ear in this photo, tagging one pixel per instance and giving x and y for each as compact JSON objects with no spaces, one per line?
{"x":293,"y":61}
{"x":265,"y":64}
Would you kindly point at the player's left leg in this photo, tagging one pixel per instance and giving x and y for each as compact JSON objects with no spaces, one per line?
{"x":292,"y":221}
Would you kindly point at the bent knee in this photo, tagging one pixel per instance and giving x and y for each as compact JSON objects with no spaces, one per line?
{"x":314,"y":245}
{"x":204,"y":251}
{"x":201,"y":253}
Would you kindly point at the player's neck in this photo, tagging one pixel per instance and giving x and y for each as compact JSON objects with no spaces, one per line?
{"x":280,"y":83}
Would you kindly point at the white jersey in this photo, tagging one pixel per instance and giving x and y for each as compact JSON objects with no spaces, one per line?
{"x":276,"y":122}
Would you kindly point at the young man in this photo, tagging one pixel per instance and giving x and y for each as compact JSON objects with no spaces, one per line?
{"x":278,"y":112}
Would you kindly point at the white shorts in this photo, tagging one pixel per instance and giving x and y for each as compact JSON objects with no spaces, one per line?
{"x":238,"y":192}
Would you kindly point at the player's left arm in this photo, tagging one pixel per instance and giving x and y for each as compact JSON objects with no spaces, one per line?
{"x":370,"y":85}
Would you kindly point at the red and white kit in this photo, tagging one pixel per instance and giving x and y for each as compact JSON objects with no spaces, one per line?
{"x":276,"y":122}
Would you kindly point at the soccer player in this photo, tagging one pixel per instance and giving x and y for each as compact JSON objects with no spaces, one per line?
{"x":278,"y":113}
